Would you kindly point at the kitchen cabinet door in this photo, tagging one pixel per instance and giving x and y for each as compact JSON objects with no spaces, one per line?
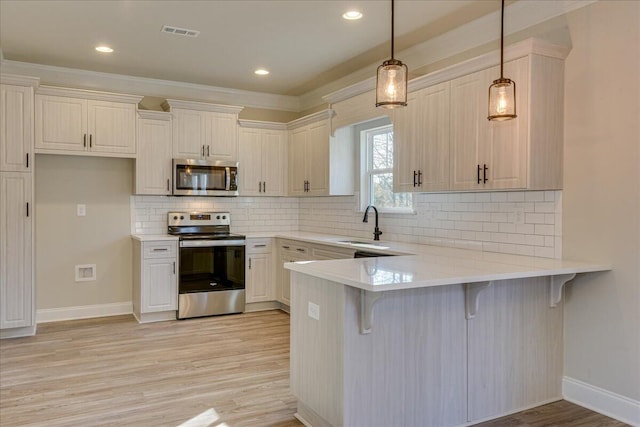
{"x":221,"y":136}
{"x":16,"y":128}
{"x":317,"y":161}
{"x":297,"y":161}
{"x":61,"y":123}
{"x":154,"y":162}
{"x":188,"y":134}
{"x":16,"y":250}
{"x":259,"y":275}
{"x":251,"y":161}
{"x":406,"y":146}
{"x":273,"y":162}
{"x":112,"y":127}
{"x":160,"y":285}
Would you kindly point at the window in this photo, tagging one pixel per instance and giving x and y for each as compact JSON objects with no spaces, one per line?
{"x":377,"y":176}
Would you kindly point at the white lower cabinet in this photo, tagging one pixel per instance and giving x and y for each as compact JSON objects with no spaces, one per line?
{"x":17,"y":312}
{"x":155,"y":281}
{"x":260,"y":284}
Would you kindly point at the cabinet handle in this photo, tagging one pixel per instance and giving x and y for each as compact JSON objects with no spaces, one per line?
{"x":249,"y":263}
{"x":174,"y":267}
{"x":27,"y":209}
{"x":208,"y":153}
{"x":259,"y":186}
{"x":260,"y":246}
{"x":414,"y":178}
{"x":168,"y":184}
{"x":264,"y":186}
{"x":84,"y":141}
{"x":419,"y":178}
{"x":301,"y":250}
{"x":485,"y":173}
{"x":90,"y":140}
{"x":160,"y":249}
{"x":286,"y":247}
{"x":27,"y":160}
{"x":478,"y":174}
{"x":203,"y":150}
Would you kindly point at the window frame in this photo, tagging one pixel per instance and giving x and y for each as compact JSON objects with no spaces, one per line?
{"x":367,"y":171}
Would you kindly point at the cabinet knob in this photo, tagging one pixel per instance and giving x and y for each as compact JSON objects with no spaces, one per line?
{"x":175,"y":218}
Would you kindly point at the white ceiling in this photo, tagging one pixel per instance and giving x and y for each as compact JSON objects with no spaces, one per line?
{"x":303,"y":43}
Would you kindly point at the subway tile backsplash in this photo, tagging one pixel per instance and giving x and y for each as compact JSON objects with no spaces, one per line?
{"x":520,"y":222}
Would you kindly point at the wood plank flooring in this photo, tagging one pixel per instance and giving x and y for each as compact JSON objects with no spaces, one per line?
{"x":226,"y":371}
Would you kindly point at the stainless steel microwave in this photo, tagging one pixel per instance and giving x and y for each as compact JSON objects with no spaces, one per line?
{"x":193,"y":177}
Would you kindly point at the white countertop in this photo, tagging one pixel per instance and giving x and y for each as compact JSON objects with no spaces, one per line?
{"x":433,"y":266}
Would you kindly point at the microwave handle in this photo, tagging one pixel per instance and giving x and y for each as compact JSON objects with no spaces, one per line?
{"x":227,"y":184}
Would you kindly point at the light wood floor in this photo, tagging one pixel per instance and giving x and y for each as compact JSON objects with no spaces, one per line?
{"x":115,"y":372}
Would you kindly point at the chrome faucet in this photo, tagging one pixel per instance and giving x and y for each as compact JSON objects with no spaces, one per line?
{"x":376,"y":232}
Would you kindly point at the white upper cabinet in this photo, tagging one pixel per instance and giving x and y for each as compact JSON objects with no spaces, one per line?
{"x":319,"y":164}
{"x":80,"y":122}
{"x":262,"y":158}
{"x":204,"y":131}
{"x":421,"y":141}
{"x":16,"y":128}
{"x":153,"y":162}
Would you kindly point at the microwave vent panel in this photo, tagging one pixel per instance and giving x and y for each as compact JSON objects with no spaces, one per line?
{"x":180,"y":31}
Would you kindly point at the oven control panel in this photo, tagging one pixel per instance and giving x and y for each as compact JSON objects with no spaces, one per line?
{"x":198,"y":218}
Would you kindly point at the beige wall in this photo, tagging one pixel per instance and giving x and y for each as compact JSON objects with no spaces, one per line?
{"x":601,"y":198}
{"x":64,"y":240}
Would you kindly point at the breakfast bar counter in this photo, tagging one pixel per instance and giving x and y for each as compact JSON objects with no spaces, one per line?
{"x":444,"y":337}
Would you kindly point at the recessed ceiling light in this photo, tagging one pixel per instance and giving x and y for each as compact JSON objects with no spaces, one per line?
{"x":352,"y":15}
{"x":104,"y":49}
{"x":261,"y":72}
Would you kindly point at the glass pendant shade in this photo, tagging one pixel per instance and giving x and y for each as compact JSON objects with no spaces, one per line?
{"x":502,"y":100}
{"x":391,"y":84}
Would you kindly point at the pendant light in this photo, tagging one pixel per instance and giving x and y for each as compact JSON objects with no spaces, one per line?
{"x":502,"y":93}
{"x":391,"y":83}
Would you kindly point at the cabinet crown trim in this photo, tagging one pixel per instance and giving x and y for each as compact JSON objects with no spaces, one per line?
{"x":257,"y":124}
{"x":89,"y":94}
{"x":531,"y":46}
{"x":311,"y":118}
{"x":16,"y":80}
{"x":169,"y":104}
{"x":155,"y":115}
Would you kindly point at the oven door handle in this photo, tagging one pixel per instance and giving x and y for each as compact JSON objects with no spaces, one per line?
{"x":210,"y":243}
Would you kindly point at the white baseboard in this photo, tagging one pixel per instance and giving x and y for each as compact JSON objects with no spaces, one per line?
{"x":83,"y":312}
{"x":603,"y":401}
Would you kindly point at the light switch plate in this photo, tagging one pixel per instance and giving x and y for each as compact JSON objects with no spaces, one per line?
{"x":81,"y":210}
{"x":314,"y":311}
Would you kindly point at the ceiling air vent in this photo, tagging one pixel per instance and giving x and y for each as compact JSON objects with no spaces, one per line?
{"x":180,"y":31}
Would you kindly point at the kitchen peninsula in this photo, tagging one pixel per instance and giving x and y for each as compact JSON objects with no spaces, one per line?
{"x":445,"y":337}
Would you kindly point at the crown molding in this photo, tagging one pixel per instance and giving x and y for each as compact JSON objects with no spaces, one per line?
{"x":154,"y":115}
{"x":350,"y":91}
{"x":94,"y":80}
{"x":13,"y":79}
{"x":258,"y":124}
{"x":170,"y":104}
{"x":311,"y":118}
{"x":88,"y":94}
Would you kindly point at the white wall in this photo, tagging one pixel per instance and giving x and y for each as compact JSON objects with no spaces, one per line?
{"x":64,"y":240}
{"x":601,"y":198}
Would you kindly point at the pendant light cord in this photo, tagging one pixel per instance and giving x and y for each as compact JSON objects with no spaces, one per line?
{"x":392,"y":28}
{"x":502,"y":40}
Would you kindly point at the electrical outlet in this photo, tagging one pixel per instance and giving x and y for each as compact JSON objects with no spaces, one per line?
{"x":518,"y":216}
{"x":81,"y":210}
{"x":314,"y":311}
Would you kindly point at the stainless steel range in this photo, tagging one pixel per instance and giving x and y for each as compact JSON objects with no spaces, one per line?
{"x":211,"y":264}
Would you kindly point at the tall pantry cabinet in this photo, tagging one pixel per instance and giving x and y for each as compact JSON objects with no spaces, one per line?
{"x":17,"y":302}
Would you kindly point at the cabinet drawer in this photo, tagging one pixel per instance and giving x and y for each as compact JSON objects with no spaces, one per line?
{"x":290,"y":247}
{"x":161,"y":249}
{"x":259,"y":246}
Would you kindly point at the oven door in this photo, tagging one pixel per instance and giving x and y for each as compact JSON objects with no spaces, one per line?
{"x":204,"y":178}
{"x":211,"y":278}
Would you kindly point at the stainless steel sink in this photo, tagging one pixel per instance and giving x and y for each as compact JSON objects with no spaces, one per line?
{"x":354,"y":242}
{"x":361,"y":244}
